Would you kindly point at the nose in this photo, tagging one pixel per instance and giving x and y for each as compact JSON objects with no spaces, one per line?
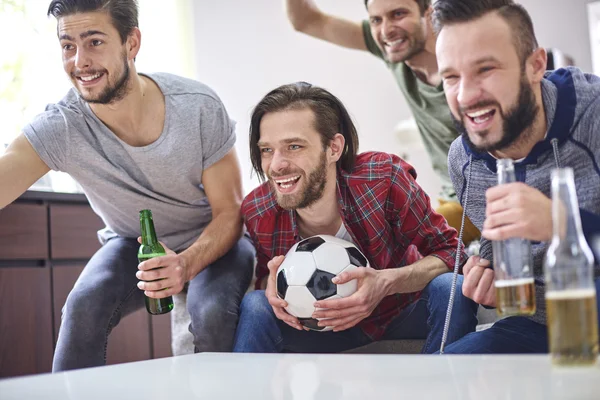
{"x":279,"y":162}
{"x":82,"y":59}
{"x":387,"y":28}
{"x":468,"y":92}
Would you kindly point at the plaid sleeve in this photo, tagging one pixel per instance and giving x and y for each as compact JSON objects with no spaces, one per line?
{"x":261,"y":266}
{"x":415,"y":222}
{"x":261,"y":258}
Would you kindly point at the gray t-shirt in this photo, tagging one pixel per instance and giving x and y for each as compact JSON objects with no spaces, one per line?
{"x":165,"y":176}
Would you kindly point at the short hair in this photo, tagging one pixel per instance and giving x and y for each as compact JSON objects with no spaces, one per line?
{"x":124,"y":13}
{"x":423,"y":5}
{"x":330,"y":118}
{"x":449,"y":12}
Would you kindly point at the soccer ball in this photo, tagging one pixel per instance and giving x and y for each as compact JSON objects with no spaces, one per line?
{"x":305,"y":275}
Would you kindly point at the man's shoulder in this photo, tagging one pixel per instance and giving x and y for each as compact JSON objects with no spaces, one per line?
{"x":175,"y":85}
{"x":457,"y":150}
{"x":66,"y":112}
{"x":259,"y":203}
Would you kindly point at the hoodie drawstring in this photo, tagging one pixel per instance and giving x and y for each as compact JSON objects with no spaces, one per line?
{"x":457,"y":260}
{"x":554,"y":143}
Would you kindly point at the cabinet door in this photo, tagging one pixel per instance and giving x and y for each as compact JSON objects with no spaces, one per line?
{"x":24,"y":232}
{"x":73,"y":231}
{"x":129,"y":341}
{"x":25,"y":321}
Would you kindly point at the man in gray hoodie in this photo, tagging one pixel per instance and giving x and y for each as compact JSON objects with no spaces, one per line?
{"x":506,"y":105}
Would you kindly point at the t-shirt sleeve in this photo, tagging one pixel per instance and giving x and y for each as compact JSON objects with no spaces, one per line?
{"x":370,"y":41}
{"x":217,"y":131}
{"x":47,"y":133}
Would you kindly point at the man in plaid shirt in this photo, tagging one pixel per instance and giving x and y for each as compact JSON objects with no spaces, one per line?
{"x":303,"y":140}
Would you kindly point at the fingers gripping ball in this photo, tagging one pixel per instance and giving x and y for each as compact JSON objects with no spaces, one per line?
{"x":306,"y":273}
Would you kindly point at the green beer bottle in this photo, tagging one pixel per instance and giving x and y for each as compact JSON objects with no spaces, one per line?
{"x":151,"y":248}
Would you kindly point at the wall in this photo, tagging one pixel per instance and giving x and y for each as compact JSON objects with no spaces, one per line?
{"x":243,"y":58}
{"x":563,"y":24}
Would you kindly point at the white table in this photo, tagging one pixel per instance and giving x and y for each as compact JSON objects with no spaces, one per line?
{"x":315,"y":377}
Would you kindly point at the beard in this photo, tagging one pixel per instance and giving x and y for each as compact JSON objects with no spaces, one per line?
{"x":315,"y":186}
{"x":114,"y":91}
{"x":515,"y":122}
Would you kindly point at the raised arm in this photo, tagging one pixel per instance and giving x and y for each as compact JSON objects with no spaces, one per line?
{"x":20,"y":167}
{"x":307,"y":18}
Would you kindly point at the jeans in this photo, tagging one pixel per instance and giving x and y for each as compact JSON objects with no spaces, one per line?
{"x":260,"y":331}
{"x":512,"y":335}
{"x":107,"y":290}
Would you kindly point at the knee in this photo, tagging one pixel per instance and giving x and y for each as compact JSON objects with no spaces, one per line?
{"x":442,"y":284}
{"x":80,"y":306}
{"x":439,"y":289}
{"x":255,"y":303}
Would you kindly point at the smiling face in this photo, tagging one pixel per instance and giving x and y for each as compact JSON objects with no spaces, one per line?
{"x":94,"y":57}
{"x":488,"y":89}
{"x":398,"y":28}
{"x":293,"y":157}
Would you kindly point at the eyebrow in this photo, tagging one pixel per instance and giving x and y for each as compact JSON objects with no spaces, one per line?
{"x":285,"y":141}
{"x":402,"y":9}
{"x":482,"y":60}
{"x":82,"y":35}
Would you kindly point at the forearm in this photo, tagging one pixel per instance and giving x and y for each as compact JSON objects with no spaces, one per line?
{"x":414,"y":277}
{"x":216,"y":240}
{"x":302,"y":13}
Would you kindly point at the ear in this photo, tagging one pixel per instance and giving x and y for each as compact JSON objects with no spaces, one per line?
{"x":536,"y":65}
{"x":336,"y":147}
{"x":428,"y":13}
{"x":133,"y":43}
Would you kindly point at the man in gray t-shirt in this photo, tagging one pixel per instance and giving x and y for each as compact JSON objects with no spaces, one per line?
{"x":133,"y":142}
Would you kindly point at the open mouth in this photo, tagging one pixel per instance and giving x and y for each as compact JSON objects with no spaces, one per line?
{"x":90,"y":79}
{"x":395,"y":45}
{"x":481,"y":118}
{"x":287,"y":185}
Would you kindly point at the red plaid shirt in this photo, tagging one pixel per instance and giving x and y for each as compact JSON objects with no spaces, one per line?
{"x":386,"y":213}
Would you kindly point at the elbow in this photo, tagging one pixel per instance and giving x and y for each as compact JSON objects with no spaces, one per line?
{"x":299,"y":24}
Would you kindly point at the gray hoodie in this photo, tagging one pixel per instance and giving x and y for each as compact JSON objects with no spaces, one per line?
{"x":572,"y":105}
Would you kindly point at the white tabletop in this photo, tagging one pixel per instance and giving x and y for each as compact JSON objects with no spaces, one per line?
{"x":316,"y":377}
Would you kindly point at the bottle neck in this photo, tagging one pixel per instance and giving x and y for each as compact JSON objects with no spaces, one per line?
{"x":566,"y":220}
{"x":148,"y":233}
{"x":505,"y":171}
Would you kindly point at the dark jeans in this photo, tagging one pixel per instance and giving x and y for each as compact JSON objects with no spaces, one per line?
{"x":512,"y":335}
{"x":260,"y":331}
{"x":107,"y":290}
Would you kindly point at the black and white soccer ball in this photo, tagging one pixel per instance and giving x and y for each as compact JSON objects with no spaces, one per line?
{"x":305,"y":275}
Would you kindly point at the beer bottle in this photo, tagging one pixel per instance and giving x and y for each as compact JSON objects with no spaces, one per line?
{"x":151,"y":248}
{"x":513,"y":263}
{"x":570,"y":291}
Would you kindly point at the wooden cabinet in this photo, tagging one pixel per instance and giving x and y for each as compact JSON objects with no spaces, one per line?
{"x":25,"y":321}
{"x":24,"y":232}
{"x":73,"y":230}
{"x":45,"y":241}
